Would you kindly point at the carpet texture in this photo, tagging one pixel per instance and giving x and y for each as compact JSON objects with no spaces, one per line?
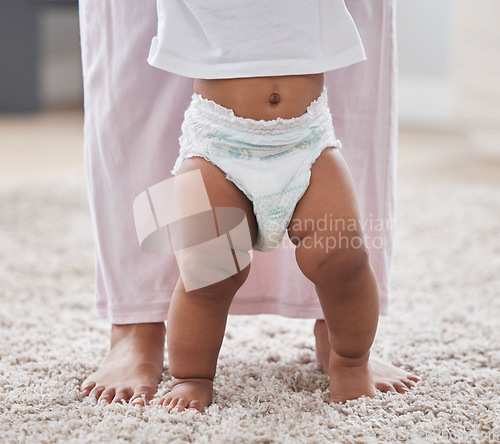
{"x":444,"y":326}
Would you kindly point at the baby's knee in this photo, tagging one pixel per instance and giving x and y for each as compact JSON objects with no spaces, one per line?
{"x":206,"y":255}
{"x":330,"y":263}
{"x":211,"y":268}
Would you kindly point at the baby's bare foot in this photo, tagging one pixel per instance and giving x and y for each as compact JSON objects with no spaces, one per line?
{"x":389,"y":378}
{"x":386,"y":376}
{"x":193,"y":394}
{"x":133,"y":367}
{"x":350,"y":378}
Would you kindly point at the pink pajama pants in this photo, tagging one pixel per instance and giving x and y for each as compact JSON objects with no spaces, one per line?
{"x":133,"y":116}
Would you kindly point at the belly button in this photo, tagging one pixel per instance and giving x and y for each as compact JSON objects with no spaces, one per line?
{"x":274,"y":98}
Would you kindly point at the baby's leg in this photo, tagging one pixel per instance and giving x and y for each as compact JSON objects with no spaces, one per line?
{"x":197,"y":319}
{"x":331,"y":253}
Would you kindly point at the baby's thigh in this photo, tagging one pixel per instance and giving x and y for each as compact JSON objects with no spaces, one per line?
{"x":209,"y":189}
{"x":326,"y":221}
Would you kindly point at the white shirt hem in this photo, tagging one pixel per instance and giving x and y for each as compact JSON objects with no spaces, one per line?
{"x":265,"y":68}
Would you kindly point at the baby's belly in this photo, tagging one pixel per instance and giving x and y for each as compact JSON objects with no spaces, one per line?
{"x":263,"y":98}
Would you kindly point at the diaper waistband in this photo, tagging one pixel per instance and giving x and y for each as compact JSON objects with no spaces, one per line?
{"x":207,"y":110}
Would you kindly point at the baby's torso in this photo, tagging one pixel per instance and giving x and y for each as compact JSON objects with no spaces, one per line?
{"x":263,"y":98}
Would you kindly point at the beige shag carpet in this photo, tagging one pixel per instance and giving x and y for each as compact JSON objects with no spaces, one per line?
{"x":444,"y":326}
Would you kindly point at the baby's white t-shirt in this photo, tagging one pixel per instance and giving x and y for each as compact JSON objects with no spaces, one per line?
{"x":217,"y":39}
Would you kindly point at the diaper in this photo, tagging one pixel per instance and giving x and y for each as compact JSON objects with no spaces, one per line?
{"x":268,"y":160}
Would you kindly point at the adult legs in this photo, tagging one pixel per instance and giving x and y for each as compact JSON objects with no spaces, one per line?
{"x":133,"y":115}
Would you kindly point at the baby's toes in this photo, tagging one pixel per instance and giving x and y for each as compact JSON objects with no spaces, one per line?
{"x":164,"y":401}
{"x":180,"y":406}
{"x":170,"y":402}
{"x":196,"y":406}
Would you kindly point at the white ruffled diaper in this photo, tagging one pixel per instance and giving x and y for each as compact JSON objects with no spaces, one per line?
{"x":269,"y":160}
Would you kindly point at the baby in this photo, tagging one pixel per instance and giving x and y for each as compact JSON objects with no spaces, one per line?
{"x":260,"y":134}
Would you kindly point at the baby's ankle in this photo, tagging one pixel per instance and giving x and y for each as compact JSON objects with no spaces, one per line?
{"x":349,"y":359}
{"x":177,"y":381}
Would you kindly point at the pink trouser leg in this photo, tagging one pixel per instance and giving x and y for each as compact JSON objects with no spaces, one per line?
{"x":133,"y":114}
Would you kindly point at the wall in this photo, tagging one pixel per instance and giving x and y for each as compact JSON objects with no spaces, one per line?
{"x":425,"y":40}
{"x":60,"y":62}
{"x":476,"y":73}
